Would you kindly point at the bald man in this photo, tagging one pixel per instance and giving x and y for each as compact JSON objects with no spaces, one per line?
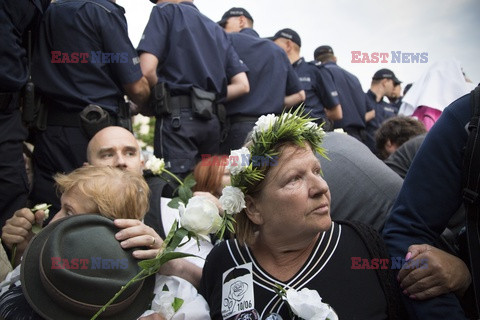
{"x":115,"y":147}
{"x":111,"y":146}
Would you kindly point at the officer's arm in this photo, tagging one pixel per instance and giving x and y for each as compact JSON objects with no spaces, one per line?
{"x":334,"y":113}
{"x":369,"y":115}
{"x":148,"y":64}
{"x":238,"y":86}
{"x":294,"y":99}
{"x":139,"y":91}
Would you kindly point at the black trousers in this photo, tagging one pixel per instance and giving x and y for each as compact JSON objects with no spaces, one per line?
{"x":57,"y":149}
{"x":237,"y":134}
{"x":182,"y":147}
{"x":13,"y":176}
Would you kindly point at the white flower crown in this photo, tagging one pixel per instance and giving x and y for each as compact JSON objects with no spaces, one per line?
{"x":248,"y":164}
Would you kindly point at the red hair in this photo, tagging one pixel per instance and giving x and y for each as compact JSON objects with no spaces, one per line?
{"x":208,"y":174}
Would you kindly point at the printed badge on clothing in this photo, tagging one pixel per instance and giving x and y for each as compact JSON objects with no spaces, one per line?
{"x":237,"y":290}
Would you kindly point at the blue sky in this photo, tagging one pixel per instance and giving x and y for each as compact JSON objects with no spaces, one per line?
{"x":443,"y":29}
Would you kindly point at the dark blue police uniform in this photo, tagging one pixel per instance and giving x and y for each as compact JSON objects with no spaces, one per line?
{"x":395,"y":106}
{"x":351,"y":97}
{"x":17,"y":17}
{"x":383,"y":111}
{"x":192,"y":51}
{"x":317,"y":96}
{"x":84,"y":56}
{"x":271,"y":78}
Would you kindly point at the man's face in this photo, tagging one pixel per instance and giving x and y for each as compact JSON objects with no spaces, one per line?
{"x":397,"y":91}
{"x":389,"y":86}
{"x":115,"y":147}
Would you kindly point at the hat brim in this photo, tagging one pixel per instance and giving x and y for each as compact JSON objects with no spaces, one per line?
{"x":222,"y":23}
{"x":40,"y":301}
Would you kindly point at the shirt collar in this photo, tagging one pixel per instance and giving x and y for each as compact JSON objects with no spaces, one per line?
{"x":298,"y":62}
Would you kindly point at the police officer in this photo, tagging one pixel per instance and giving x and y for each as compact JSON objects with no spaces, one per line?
{"x":348,"y":89}
{"x":319,"y":102}
{"x":17,"y":18}
{"x":191,"y":57}
{"x":273,"y":82}
{"x":84,"y":57}
{"x":395,"y":99}
{"x":383,"y":84}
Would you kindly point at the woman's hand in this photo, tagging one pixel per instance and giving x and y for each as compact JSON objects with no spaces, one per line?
{"x":439,"y":273}
{"x":18,"y":229}
{"x":135,"y":233}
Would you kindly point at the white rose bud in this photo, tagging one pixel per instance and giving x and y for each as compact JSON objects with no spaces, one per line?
{"x":238,"y":161}
{"x":232,"y":200}
{"x":264,"y":123}
{"x":36,"y":228}
{"x":200,"y":216}
{"x":155,"y":164}
{"x":44,"y":207}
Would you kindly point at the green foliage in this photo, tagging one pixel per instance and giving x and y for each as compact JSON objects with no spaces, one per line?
{"x":177,"y":303}
{"x":292,"y":126}
{"x":184,"y":192}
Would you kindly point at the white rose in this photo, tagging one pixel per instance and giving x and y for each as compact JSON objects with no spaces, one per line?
{"x":163,"y":304}
{"x":311,"y":125}
{"x":232,"y":200}
{"x":307,"y":304}
{"x":36,"y":228}
{"x":200,"y":216}
{"x":264,"y":123}
{"x":44,"y":207}
{"x":155,"y":165}
{"x":238,"y":161}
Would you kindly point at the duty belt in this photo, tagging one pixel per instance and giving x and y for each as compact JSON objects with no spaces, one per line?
{"x":242,"y":118}
{"x":181,"y":101}
{"x":58,"y":116}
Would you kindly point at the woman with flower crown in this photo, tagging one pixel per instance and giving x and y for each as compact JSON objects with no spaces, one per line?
{"x":289,"y":259}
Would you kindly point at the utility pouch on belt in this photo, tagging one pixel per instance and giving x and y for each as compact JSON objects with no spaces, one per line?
{"x":202,"y":103}
{"x":160,"y":100}
{"x":34,"y":112}
{"x":93,"y":119}
{"x":124,"y":116}
{"x":28,"y":108}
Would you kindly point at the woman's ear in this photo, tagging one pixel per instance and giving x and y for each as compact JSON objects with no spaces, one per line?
{"x":251,"y":209}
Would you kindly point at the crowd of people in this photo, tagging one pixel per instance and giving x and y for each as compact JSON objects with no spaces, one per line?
{"x":351,"y":199}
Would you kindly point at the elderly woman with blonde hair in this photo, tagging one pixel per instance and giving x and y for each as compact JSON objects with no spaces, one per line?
{"x":113,"y":193}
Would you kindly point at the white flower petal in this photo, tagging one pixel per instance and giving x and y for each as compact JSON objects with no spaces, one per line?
{"x":155,"y":165}
{"x":238,"y":161}
{"x":163,"y":304}
{"x":307,"y":304}
{"x":200,"y":216}
{"x":232,"y":200}
{"x":264,"y":123}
